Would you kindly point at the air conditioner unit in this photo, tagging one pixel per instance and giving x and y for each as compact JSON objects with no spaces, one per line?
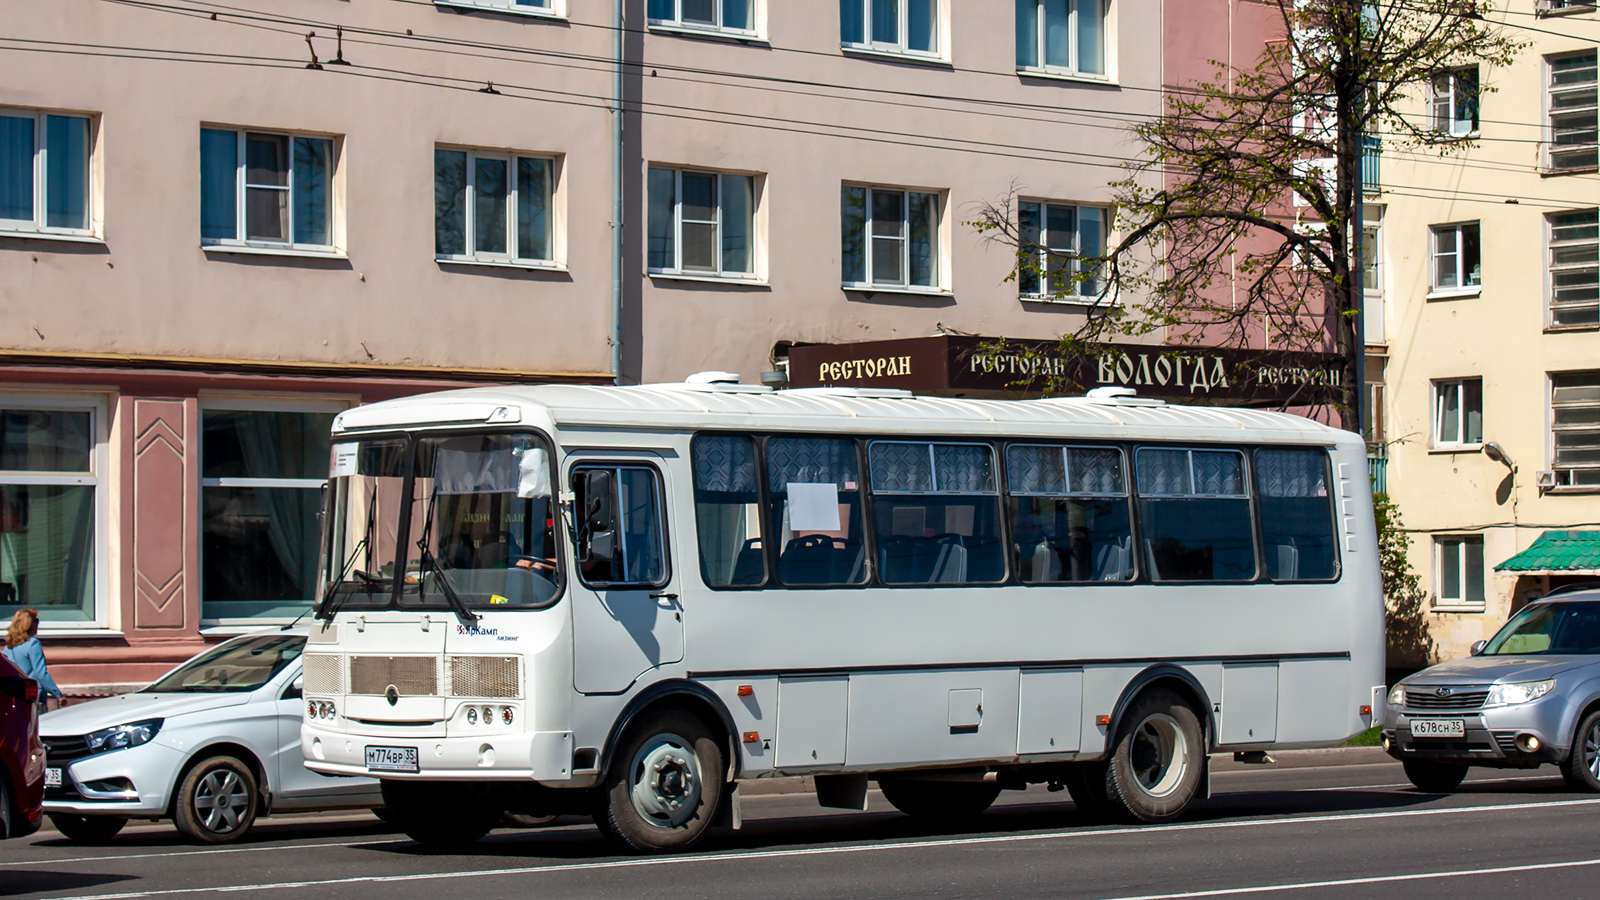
{"x":1546,"y":479}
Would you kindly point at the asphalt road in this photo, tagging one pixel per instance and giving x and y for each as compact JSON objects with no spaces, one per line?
{"x":1308,"y":833}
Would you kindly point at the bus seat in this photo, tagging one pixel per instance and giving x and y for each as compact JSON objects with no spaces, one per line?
{"x":748,"y":565}
{"x":1111,"y":560}
{"x":810,"y":559}
{"x":1046,"y":563}
{"x":1288,"y":561}
{"x":951,"y":565}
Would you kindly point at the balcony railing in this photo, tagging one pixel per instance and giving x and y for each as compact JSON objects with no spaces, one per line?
{"x":1378,"y":469}
{"x":1371,"y":159}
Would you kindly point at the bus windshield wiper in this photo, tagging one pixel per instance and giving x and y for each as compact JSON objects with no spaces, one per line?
{"x":331,"y":598}
{"x":428,"y":561}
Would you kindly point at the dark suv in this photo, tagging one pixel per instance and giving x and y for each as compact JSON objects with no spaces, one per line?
{"x":21,"y":754}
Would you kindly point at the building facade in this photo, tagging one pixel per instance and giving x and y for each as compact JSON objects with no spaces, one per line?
{"x":1488,"y":276}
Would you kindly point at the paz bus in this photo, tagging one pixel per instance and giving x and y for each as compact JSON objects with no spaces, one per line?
{"x":625,"y":601}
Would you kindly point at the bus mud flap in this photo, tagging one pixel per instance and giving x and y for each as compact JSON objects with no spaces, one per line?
{"x":842,"y":791}
{"x":729,"y":814}
{"x":1205,"y":778}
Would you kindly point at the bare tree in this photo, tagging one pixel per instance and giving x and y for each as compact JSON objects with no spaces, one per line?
{"x":1237,"y":225}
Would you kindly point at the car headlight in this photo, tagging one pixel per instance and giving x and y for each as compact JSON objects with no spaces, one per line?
{"x":1397,"y":695}
{"x":121,"y":737}
{"x":1520,"y":692}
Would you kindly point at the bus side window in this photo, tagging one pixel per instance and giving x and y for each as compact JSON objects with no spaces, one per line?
{"x":936,"y":513}
{"x":620,"y":526}
{"x":727,"y":511}
{"x":1194,"y":514}
{"x":814,"y":511}
{"x":1296,"y":514}
{"x":1070,"y":520}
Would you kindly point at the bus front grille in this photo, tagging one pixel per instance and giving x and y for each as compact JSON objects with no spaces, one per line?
{"x":323,"y":673}
{"x":493,"y":677}
{"x":412,"y":676}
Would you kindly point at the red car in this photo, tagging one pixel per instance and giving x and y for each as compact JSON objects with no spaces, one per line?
{"x":21,"y":754}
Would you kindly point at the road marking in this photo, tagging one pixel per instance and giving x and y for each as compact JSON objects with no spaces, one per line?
{"x":832,"y":851}
{"x":1374,"y":879}
{"x":210,"y":850}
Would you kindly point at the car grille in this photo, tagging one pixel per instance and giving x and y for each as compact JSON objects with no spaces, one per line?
{"x":1458,"y":699}
{"x":324,"y":673}
{"x":59,"y":750}
{"x":412,"y":676}
{"x":484,"y":676}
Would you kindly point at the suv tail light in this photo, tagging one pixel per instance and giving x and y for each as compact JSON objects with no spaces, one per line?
{"x":25,"y":689}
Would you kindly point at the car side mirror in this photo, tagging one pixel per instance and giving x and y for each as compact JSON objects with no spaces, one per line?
{"x":296,"y":689}
{"x":1477,"y":647}
{"x":597,"y":528}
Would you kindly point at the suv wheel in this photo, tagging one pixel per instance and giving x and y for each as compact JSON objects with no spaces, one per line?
{"x":1581,"y":768}
{"x":1433,"y":777}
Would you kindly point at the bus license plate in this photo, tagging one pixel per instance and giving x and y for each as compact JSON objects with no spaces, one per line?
{"x":1438,"y":728}
{"x":52,"y":778}
{"x":392,"y":759}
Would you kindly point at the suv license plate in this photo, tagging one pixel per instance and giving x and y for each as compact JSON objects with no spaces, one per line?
{"x":1438,"y":728}
{"x":52,"y":778}
{"x":392,"y":759}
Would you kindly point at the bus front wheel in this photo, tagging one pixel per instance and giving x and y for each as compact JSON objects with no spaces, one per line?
{"x":1155,"y":764}
{"x":664,"y":785}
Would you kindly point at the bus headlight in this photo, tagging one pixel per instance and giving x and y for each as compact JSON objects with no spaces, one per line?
{"x":1518,"y":692}
{"x":1397,"y":695}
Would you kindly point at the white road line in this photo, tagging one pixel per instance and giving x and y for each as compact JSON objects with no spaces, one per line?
{"x":1375,"y":879}
{"x":830,"y":851}
{"x":208,"y":851}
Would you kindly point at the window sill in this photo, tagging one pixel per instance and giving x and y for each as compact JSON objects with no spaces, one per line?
{"x":1068,"y":301}
{"x":896,"y":289}
{"x":500,"y":264}
{"x":1575,"y":170}
{"x":1569,"y":11}
{"x":906,"y":56}
{"x":1048,"y":75}
{"x":709,"y":279}
{"x":1455,"y":293}
{"x":1573,"y":489}
{"x":290,"y":252}
{"x":709,"y":32}
{"x":1460,"y":607}
{"x":1565,"y":329}
{"x":1457,"y":448}
{"x":63,"y":237}
{"x":86,"y":632}
{"x":532,"y":12}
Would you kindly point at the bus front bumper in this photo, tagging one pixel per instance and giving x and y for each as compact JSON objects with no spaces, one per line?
{"x":543,"y":756}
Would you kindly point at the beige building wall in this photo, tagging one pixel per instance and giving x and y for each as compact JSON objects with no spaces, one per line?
{"x":1498,"y":332}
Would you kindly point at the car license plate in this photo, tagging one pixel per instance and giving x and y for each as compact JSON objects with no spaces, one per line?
{"x":392,"y":759}
{"x":1438,"y":728}
{"x":52,"y":778}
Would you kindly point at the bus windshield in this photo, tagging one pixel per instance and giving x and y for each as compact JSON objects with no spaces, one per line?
{"x":478,"y":519}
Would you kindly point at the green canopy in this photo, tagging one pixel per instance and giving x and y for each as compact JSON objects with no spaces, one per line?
{"x":1556,"y":553}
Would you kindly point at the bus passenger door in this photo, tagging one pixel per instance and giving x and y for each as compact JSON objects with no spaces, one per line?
{"x":626,"y":618}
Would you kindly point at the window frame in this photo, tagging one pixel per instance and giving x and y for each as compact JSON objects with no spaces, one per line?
{"x":902,"y":47}
{"x":1462,"y":603}
{"x":228,"y":403}
{"x":658,"y":483}
{"x":1553,"y":269}
{"x":469,"y":231}
{"x":678,"y":24}
{"x":546,"y":9}
{"x":1563,"y":481}
{"x":1550,"y":93}
{"x":1455,"y":100}
{"x":1261,"y":525}
{"x":1459,"y":231}
{"x":1247,"y":480}
{"x":39,"y":225}
{"x":869,"y":285}
{"x":1136,"y":563}
{"x":242,"y":187}
{"x":1438,"y":388}
{"x":677,"y":270}
{"x":1074,"y":68}
{"x":102,"y":616}
{"x":1074,"y":256}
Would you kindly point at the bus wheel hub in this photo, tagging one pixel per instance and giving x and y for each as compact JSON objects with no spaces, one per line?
{"x":666,"y":785}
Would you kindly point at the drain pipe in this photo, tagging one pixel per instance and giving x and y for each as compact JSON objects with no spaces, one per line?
{"x":616,"y":207}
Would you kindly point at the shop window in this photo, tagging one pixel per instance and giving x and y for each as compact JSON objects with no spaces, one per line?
{"x":261,"y":481}
{"x":1194,"y":515}
{"x":49,"y":485}
{"x":936,"y":513}
{"x":44,"y":172}
{"x":266,"y":189}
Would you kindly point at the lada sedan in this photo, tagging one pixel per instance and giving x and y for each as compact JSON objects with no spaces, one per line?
{"x":1527,"y":696}
{"x":212,"y":745}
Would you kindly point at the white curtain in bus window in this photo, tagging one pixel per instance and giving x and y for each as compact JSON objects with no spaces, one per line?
{"x":1296,"y":515}
{"x":804,"y":477}
{"x":1069,"y":514}
{"x":727,"y":511}
{"x":936,"y":513}
{"x":1194,"y":515}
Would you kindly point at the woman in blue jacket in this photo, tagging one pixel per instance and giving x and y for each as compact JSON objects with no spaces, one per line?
{"x":24,"y":650}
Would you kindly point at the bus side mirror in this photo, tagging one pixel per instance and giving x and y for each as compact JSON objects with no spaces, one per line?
{"x":1477,"y":647}
{"x":597,"y":530}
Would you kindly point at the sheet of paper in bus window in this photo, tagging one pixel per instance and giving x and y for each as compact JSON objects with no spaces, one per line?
{"x":813,"y":507}
{"x":958,"y":520}
{"x":910,"y":521}
{"x":344,"y":459}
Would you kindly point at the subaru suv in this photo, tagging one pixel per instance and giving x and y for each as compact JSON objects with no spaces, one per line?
{"x":1527,"y":696}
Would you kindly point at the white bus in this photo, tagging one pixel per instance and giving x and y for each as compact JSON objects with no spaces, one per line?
{"x":624,"y":601}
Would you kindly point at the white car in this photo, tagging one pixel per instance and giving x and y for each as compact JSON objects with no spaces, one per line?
{"x":212,"y":745}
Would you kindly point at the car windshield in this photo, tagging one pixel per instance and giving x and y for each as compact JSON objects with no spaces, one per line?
{"x":1549,"y":628}
{"x":243,"y":664}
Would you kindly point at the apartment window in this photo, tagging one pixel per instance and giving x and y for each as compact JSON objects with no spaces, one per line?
{"x":1573,"y":101}
{"x":1057,"y":241}
{"x":890,"y":238}
{"x":49,"y":486}
{"x":1453,"y":102}
{"x":261,"y":477}
{"x":716,"y":15}
{"x":1067,"y":36}
{"x":1457,"y":257}
{"x":1575,"y":269}
{"x":1557,"y":7}
{"x":1575,"y":428}
{"x":270,"y":189}
{"x":492,"y":207}
{"x":1459,"y":570}
{"x":523,"y":6}
{"x":44,"y":172}
{"x":701,"y":223}
{"x":898,"y":26}
{"x":1458,"y":412}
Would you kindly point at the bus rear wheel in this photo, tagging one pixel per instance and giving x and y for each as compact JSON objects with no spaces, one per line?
{"x":1155,"y":765}
{"x":440,"y":816}
{"x":664,"y":785}
{"x":939,"y":801}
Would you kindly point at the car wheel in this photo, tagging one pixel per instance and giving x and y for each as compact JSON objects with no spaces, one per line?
{"x":940,"y":801}
{"x":1434,"y":777}
{"x":1581,"y":768}
{"x":1155,"y":765}
{"x":217,"y":801}
{"x":523,"y":820}
{"x":87,"y":829}
{"x":664,"y":785}
{"x":5,"y":806}
{"x":441,"y":816}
